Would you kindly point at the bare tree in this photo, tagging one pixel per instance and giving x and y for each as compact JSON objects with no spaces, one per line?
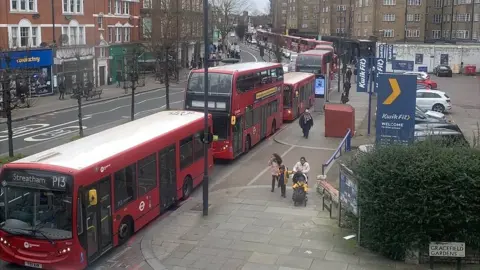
{"x":223,"y":10}
{"x":168,"y":31}
{"x":80,"y":81}
{"x":277,"y":46}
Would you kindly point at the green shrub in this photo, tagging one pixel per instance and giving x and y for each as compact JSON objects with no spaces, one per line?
{"x":7,"y":159}
{"x":411,"y":195}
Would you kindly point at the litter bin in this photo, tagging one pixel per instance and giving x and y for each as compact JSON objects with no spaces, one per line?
{"x":470,"y":70}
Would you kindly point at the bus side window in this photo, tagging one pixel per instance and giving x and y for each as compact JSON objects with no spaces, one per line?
{"x":79,"y":216}
{"x":186,"y":152}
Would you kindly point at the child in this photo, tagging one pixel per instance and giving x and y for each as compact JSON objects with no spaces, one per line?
{"x":282,"y":179}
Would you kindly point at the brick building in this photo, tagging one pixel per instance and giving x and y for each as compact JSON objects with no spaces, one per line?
{"x":86,"y":33}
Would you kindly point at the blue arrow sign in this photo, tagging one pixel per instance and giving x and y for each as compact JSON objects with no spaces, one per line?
{"x":396,"y":103}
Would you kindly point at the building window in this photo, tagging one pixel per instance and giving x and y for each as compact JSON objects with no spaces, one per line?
{"x":388,"y":33}
{"x":126,"y":37}
{"x":110,"y":34}
{"x":110,"y":6}
{"x":414,"y":2}
{"x":417,"y":17}
{"x":118,"y":36}
{"x":124,"y":182}
{"x":75,"y":34}
{"x":389,"y":2}
{"x":437,"y":18}
{"x":446,"y":17}
{"x":23,"y":5}
{"x":436,"y":34}
{"x":24,"y":35}
{"x":147,"y":27}
{"x":463,"y":17}
{"x":147,"y":3}
{"x":118,"y":7}
{"x":476,"y":17}
{"x":103,"y":53}
{"x":461,"y":34}
{"x":366,"y":18}
{"x":413,"y":33}
{"x":388,"y":17}
{"x":341,"y":7}
{"x":73,"y":6}
{"x":100,"y":22}
{"x":126,"y":8}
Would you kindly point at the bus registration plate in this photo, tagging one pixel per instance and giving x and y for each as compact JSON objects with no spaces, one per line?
{"x":34,"y":265}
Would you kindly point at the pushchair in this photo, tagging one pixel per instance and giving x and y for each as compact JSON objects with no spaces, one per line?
{"x":300,"y":188}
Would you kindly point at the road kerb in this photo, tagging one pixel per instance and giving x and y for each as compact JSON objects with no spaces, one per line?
{"x":23,"y":118}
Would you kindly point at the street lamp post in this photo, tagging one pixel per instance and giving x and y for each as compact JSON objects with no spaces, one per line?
{"x":205,"y":109}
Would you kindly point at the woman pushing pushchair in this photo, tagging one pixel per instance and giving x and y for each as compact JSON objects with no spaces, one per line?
{"x":300,"y":182}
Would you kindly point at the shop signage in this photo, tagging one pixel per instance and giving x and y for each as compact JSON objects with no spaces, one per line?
{"x":27,"y":59}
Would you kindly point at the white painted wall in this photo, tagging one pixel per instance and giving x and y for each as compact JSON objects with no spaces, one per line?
{"x":468,"y":54}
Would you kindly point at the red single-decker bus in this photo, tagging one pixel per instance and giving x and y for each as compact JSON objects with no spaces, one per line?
{"x":298,"y":94}
{"x":245,"y":101}
{"x":65,"y":207}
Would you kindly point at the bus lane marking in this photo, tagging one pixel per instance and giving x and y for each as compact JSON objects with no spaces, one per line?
{"x":46,"y":128}
{"x":52,"y":134}
{"x":23,"y":129}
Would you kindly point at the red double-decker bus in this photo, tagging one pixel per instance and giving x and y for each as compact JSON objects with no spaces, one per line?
{"x":327,"y":47}
{"x":65,"y":207}
{"x":298,"y":94}
{"x":245,"y":101}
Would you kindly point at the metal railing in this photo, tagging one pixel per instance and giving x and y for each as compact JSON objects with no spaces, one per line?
{"x":344,"y":144}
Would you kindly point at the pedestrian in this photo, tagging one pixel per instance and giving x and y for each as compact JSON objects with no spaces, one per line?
{"x":306,"y":123}
{"x":274,"y":163}
{"x":346,"y":87}
{"x":302,"y":166}
{"x":349,"y":74}
{"x":119,"y":78}
{"x":62,"y":90}
{"x":282,"y":180}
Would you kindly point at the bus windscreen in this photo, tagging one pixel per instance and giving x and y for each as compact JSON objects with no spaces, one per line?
{"x":219,"y":84}
{"x":309,"y":61}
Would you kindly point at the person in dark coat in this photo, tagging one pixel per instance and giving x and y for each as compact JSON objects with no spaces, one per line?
{"x":306,"y":123}
{"x":282,"y":181}
{"x":346,"y":88}
{"x":62,"y":89}
{"x":349,"y":74}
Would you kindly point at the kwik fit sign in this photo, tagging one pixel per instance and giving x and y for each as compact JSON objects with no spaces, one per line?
{"x":380,"y":67}
{"x":363,"y":72}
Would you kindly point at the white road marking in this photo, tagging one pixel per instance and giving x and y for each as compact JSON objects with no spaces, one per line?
{"x":23,"y":129}
{"x":153,"y":110}
{"x":52,"y":134}
{"x":256,"y":60}
{"x":267,"y":168}
{"x":47,"y":128}
{"x":129,"y":105}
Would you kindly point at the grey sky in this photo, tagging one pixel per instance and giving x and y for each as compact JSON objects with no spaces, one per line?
{"x":261,"y":5}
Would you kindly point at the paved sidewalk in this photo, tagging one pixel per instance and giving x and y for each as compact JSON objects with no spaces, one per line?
{"x":50,"y":104}
{"x":254,"y":229}
{"x":317,"y":139}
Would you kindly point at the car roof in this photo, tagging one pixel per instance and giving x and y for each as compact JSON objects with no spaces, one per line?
{"x":431,"y":91}
{"x":436,"y":131}
{"x":97,"y":147}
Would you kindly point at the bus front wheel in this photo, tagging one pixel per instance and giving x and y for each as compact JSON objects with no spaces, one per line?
{"x":187,"y":187}
{"x":125,"y":230}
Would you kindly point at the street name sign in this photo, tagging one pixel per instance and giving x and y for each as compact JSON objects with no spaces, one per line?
{"x":396,"y":101}
{"x":447,"y":249}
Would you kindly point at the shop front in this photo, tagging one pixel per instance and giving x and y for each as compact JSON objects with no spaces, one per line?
{"x":32,"y":67}
{"x":75,"y":67}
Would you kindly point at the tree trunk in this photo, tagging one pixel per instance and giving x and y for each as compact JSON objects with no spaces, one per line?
{"x":167,"y":81}
{"x":79,"y":104}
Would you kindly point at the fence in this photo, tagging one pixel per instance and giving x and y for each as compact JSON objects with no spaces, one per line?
{"x":344,"y":144}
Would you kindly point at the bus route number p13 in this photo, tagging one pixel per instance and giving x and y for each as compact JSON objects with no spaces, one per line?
{"x":59,"y":182}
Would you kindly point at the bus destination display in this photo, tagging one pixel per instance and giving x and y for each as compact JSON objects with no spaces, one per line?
{"x":37,"y":179}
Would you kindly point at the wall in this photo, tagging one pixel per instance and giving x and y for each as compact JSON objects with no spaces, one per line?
{"x":468,"y":54}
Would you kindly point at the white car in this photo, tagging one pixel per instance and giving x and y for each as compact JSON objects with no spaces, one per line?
{"x":254,"y":41}
{"x":434,"y":100}
{"x":232,"y":34}
{"x":420,"y":74}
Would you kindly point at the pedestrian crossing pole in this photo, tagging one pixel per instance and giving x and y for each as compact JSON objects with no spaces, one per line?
{"x":205,"y":109}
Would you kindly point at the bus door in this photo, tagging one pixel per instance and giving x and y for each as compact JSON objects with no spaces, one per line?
{"x":99,"y":220}
{"x":237,"y":136}
{"x":294,"y":96}
{"x":168,"y":177}
{"x":264,"y":117}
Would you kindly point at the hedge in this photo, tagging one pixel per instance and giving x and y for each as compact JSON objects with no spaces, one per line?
{"x":7,"y":159}
{"x":411,"y":195}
